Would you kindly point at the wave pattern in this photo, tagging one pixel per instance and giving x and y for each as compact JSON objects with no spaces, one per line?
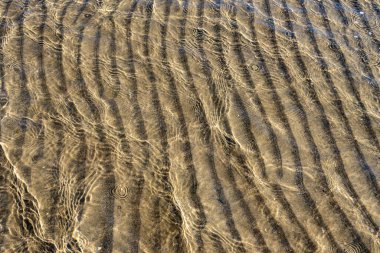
{"x":189,"y":126}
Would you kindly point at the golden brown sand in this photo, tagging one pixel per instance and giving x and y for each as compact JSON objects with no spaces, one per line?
{"x":189,"y":126}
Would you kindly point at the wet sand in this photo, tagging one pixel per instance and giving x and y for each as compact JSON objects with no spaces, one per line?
{"x":189,"y":126}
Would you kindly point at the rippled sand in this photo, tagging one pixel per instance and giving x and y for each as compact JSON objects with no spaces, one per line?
{"x":189,"y":126}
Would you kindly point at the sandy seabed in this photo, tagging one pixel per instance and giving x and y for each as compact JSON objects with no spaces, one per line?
{"x":189,"y":126}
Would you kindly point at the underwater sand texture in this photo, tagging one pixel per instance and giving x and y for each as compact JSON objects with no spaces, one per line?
{"x":189,"y":126}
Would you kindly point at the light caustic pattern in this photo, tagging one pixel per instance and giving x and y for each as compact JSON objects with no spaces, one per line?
{"x":189,"y":126}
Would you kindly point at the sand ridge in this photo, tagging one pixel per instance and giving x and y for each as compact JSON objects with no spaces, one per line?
{"x":189,"y":126}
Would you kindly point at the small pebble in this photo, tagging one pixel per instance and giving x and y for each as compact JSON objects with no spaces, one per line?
{"x":361,"y":13}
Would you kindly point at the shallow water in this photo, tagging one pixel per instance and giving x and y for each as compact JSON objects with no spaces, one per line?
{"x":189,"y":126}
